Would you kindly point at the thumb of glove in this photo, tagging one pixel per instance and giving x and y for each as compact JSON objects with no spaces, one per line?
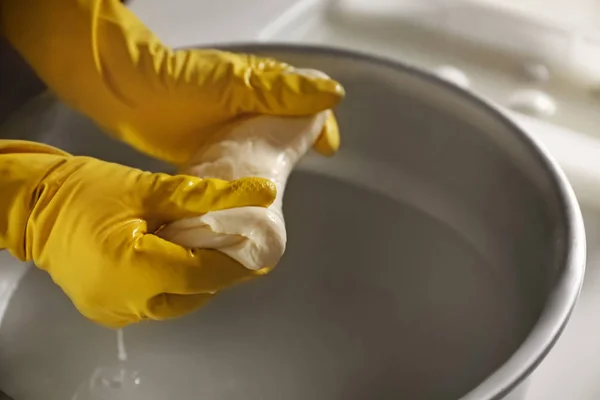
{"x":170,"y":198}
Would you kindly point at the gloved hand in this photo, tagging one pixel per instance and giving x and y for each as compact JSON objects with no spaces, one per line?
{"x":99,"y":58}
{"x":89,"y":223}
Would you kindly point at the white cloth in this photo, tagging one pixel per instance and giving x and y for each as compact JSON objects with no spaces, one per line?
{"x":263,"y":146}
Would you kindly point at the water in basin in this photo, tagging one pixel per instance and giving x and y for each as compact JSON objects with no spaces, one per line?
{"x":374,"y":299}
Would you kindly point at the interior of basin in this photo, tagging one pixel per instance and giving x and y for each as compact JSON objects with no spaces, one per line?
{"x":418,"y":260}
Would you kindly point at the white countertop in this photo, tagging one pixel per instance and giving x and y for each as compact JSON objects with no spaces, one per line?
{"x":569,"y":372}
{"x":192,"y":22}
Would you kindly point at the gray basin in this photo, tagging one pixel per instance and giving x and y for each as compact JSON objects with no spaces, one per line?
{"x":438,"y":256}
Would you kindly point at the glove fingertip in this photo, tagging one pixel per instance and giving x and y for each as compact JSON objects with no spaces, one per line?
{"x":254,"y":191}
{"x":169,"y":306}
{"x":293,"y":93}
{"x":328,"y":99}
{"x":314,"y":95}
{"x":328,"y":142}
{"x":109,"y":321}
{"x":325,"y":147}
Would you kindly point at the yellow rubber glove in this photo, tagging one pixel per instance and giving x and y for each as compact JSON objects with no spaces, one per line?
{"x":89,"y":223}
{"x":99,"y":58}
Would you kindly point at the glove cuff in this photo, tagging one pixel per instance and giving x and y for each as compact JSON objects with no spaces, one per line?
{"x":24,"y":171}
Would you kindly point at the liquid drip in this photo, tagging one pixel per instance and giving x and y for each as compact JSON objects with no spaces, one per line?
{"x":121,"y":351}
{"x":113,"y":382}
